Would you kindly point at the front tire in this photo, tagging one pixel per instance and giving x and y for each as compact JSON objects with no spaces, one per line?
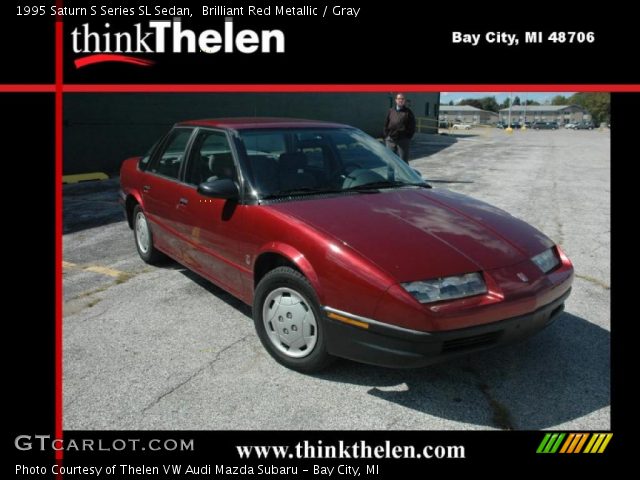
{"x":144,"y":238}
{"x":289,"y":322}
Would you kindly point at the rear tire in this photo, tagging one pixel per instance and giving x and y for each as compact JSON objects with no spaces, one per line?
{"x":289,"y":321}
{"x":144,"y":238}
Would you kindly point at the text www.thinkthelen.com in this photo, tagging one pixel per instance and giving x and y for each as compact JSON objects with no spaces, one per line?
{"x":356,"y":450}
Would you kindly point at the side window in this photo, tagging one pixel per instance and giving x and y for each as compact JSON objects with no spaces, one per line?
{"x":144,"y":161}
{"x":210,"y":159}
{"x":262,"y":150}
{"x":168,"y":162}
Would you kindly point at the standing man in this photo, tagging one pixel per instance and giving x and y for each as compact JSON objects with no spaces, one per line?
{"x":399,"y":127}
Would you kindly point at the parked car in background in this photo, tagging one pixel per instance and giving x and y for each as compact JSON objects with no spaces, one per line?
{"x":570,"y":125}
{"x":339,"y":246}
{"x":585,"y":126}
{"x":545,"y":125}
{"x":461,"y":126}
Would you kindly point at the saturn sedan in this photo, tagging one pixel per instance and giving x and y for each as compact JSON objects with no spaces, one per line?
{"x":340,"y":247}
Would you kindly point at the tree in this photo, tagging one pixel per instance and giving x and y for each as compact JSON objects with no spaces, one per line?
{"x":451,"y":103}
{"x":597,"y":104}
{"x":532,"y":102}
{"x":504,"y":104}
{"x":516,"y":101}
{"x":490,"y":104}
{"x":559,"y":100}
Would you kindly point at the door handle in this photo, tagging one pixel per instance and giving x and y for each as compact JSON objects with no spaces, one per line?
{"x":146,"y":188}
{"x":183,"y":201}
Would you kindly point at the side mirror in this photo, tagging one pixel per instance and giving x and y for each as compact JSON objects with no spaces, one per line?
{"x":220,"y":188}
{"x":417,"y":172}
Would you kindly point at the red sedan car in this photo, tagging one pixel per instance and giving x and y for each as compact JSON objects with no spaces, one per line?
{"x":342,"y":249}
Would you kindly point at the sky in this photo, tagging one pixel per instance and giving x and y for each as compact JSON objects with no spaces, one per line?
{"x":445,"y":97}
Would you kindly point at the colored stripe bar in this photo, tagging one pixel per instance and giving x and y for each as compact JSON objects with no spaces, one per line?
{"x":567,"y":443}
{"x":550,"y":443}
{"x":543,"y":443}
{"x":582,"y":441}
{"x":606,"y":442}
{"x":599,"y":437}
{"x":593,"y":439}
{"x":574,"y":442}
{"x":557,"y":444}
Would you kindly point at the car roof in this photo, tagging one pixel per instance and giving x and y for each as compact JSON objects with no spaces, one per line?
{"x":240,"y":123}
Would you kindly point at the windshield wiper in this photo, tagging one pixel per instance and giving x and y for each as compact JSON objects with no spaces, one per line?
{"x":300,"y":191}
{"x":388,"y":184}
{"x":366,"y":188}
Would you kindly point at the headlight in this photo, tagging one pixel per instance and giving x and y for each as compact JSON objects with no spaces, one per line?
{"x":446,"y":288}
{"x":547,"y":260}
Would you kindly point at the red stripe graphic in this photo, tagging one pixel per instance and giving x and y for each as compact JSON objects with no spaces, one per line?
{"x":355,"y":87}
{"x":59,"y":82}
{"x":104,"y":57}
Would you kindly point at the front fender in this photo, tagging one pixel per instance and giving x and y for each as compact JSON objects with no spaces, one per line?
{"x":298,"y":259}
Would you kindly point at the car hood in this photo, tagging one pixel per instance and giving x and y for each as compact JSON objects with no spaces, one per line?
{"x":417,"y":233}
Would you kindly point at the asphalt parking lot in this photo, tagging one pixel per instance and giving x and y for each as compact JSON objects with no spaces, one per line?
{"x":161,"y":348}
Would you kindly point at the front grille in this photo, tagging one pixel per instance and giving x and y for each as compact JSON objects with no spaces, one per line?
{"x":468,"y":343}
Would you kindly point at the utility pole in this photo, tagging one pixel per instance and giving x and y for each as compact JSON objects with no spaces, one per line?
{"x":509,"y":129}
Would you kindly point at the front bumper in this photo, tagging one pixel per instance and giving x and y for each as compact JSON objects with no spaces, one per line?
{"x":388,"y":346}
{"x":122,"y":201}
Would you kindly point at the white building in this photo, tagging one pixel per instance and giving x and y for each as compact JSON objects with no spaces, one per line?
{"x":545,"y":113}
{"x":466,"y":114}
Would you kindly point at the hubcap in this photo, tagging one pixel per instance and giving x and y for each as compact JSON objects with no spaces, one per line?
{"x":142,"y":233}
{"x":290,"y":323}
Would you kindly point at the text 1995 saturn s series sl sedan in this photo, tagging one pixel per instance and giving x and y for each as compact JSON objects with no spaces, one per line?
{"x":342,"y":249}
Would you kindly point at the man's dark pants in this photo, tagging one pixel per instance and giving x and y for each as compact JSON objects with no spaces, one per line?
{"x":400,"y":147}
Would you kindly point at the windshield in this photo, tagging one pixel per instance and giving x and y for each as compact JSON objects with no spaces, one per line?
{"x":282,"y":162}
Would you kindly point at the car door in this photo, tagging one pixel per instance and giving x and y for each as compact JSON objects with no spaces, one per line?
{"x":161,"y":190}
{"x":215,"y":244}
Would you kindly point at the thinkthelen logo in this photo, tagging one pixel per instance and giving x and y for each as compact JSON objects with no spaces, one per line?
{"x":167,"y":36}
{"x":574,"y":443}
